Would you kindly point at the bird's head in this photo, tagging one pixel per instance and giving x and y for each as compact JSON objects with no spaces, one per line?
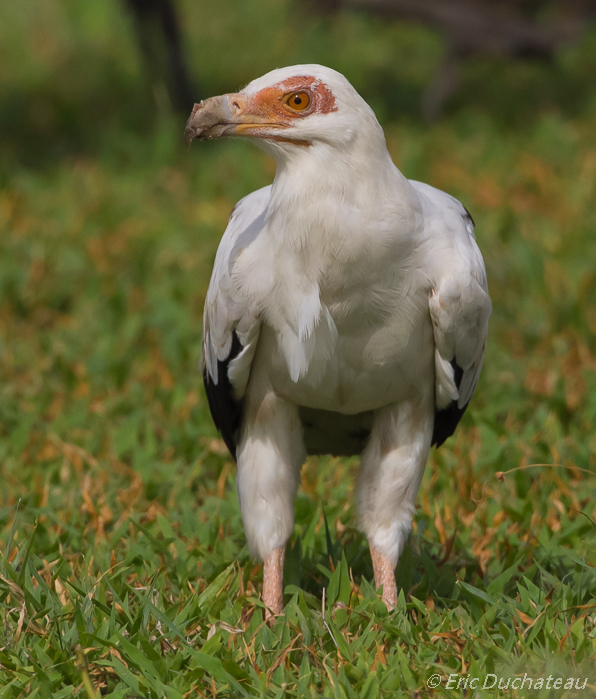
{"x":288,"y":109}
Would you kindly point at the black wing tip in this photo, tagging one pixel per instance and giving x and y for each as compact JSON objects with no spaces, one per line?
{"x":225,"y":411}
{"x":468,"y":215}
{"x":458,"y":372}
{"x":447,"y":420}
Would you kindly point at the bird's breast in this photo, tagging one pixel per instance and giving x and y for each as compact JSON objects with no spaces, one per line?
{"x":346,"y":325}
{"x":382,"y":351}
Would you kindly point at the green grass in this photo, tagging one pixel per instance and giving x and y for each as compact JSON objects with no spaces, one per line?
{"x":123,"y":565}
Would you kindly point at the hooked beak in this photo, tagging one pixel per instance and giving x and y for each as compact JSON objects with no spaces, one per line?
{"x":225,"y":115}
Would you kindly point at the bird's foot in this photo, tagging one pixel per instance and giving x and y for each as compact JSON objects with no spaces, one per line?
{"x":273,"y":591}
{"x":384,"y":576}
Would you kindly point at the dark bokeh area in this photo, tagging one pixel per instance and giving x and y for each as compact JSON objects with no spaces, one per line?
{"x":75,"y":75}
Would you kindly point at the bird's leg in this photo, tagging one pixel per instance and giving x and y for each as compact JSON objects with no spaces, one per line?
{"x":273,"y":588}
{"x":384,"y":576}
{"x":390,"y":474}
{"x":269,"y":455}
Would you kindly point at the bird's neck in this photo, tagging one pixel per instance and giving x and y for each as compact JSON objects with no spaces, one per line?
{"x":324,"y":199}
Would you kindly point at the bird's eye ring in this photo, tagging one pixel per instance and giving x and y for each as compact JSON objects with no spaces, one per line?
{"x":297,"y":101}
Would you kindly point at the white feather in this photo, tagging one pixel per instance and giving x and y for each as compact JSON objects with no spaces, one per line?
{"x":351,"y":289}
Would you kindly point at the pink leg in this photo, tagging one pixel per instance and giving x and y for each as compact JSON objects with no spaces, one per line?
{"x":273,"y":584}
{"x":384,"y":576}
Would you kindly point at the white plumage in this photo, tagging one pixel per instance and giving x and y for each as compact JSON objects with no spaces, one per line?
{"x":347,"y":312}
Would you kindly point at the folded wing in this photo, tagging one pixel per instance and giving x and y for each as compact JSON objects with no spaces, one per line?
{"x":230,"y":322}
{"x":459,"y":306}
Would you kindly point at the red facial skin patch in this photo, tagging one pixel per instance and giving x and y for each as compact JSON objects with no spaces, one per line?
{"x":268,"y":103}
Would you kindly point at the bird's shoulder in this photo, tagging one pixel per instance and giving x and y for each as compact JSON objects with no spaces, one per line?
{"x":449,"y":244}
{"x":450,"y":254}
{"x":227,"y":307}
{"x":246,"y":221}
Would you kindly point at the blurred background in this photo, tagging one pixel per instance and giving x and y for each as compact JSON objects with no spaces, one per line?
{"x":109,"y":226}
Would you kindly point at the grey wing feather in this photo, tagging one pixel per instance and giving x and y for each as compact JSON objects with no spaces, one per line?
{"x":459,"y":308}
{"x":230,"y":322}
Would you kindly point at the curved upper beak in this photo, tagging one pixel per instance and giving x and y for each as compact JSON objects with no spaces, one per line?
{"x":225,"y":115}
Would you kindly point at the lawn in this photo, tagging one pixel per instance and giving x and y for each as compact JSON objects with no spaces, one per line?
{"x":123,"y":565}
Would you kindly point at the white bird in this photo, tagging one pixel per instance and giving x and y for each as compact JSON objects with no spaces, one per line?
{"x":347,"y":313}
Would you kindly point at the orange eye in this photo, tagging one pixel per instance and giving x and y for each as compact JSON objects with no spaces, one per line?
{"x":298,"y":101}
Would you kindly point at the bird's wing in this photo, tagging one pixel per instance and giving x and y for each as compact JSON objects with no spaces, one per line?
{"x":230,"y":322}
{"x":459,"y":307}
